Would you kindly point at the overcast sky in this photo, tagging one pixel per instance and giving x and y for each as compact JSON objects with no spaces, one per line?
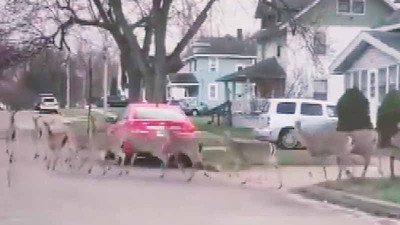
{"x":226,"y":17}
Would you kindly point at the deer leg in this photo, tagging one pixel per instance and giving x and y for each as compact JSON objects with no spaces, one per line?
{"x":392,"y":174}
{"x":367,"y":161}
{"x":339,"y":163}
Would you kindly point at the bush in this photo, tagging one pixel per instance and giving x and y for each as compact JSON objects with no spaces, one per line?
{"x":388,"y":117}
{"x":353,"y":111}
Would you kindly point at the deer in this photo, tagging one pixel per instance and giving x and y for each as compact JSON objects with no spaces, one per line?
{"x":270,"y":158}
{"x":395,"y":145}
{"x":95,"y":149}
{"x":36,"y":136}
{"x":366,"y":145}
{"x":11,"y":137}
{"x":325,"y":143}
{"x":56,"y":141}
{"x":166,"y":144}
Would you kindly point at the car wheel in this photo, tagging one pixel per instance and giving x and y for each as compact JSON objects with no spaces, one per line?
{"x":128,"y":158}
{"x":287,"y":139}
{"x":195,"y":112}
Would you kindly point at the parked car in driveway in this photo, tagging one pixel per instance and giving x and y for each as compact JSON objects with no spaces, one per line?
{"x":147,"y":122}
{"x":113,"y":101}
{"x":190,"y":109}
{"x":277,"y":122}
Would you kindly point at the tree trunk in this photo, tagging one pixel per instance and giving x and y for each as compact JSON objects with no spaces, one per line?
{"x":134,"y":86}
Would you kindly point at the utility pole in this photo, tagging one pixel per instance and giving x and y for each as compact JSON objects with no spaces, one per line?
{"x":90,"y":128}
{"x":105,"y":79}
{"x":68,"y":72}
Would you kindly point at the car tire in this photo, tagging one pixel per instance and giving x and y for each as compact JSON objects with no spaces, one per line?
{"x":127,"y":160}
{"x":195,"y":112}
{"x":287,"y":139}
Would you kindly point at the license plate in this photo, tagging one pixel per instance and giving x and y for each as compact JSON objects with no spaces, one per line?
{"x":160,"y":133}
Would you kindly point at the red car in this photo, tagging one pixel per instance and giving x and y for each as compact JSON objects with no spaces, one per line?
{"x":146,"y":122}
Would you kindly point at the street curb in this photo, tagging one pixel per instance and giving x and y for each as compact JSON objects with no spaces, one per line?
{"x":372,"y":206}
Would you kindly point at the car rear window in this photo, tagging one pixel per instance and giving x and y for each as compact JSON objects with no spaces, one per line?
{"x":331,"y":110}
{"x":48,"y":100}
{"x":311,"y":109}
{"x":286,"y":108}
{"x":159,"y":114}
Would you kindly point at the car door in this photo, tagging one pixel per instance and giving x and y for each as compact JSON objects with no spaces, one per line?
{"x":285,"y":114}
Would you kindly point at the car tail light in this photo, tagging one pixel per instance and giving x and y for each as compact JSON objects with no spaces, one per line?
{"x":188,"y":128}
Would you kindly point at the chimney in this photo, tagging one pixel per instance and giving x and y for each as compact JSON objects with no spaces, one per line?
{"x":240,"y":34}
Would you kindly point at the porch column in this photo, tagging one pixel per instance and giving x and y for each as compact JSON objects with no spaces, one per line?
{"x":397,"y":77}
{"x":233,"y":89}
{"x":226,"y":91}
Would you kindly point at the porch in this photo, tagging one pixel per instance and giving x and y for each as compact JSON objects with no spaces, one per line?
{"x":259,"y":82}
{"x":183,"y":86}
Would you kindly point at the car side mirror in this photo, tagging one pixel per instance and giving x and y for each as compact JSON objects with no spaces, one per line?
{"x":112,"y":120}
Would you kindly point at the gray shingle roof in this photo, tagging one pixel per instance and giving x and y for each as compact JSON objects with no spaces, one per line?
{"x":391,"y":39}
{"x":293,"y":5}
{"x":182,"y":78}
{"x":266,"y":69}
{"x":225,"y":45}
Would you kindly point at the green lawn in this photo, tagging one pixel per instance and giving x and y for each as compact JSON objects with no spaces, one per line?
{"x":201,"y":125}
{"x":378,"y":188}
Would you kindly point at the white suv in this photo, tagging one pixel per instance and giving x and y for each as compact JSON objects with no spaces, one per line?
{"x":48,"y":104}
{"x":277,"y":122}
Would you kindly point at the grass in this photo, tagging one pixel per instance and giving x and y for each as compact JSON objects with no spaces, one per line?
{"x":377,"y":188}
{"x":201,"y":125}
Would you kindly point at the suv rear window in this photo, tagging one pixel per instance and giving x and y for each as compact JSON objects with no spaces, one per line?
{"x":48,"y":100}
{"x":331,"y":110}
{"x":311,"y":109}
{"x":159,"y":114}
{"x":286,"y":108}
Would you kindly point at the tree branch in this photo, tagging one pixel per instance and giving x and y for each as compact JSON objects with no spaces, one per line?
{"x":190,"y":33}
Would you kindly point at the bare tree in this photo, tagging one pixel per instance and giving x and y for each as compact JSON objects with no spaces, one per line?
{"x":136,"y":26}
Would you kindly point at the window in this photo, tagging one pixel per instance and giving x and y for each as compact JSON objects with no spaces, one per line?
{"x":240,"y":67}
{"x":213,"y":91}
{"x":351,"y":6}
{"x":278,"y":51}
{"x":194,"y":64}
{"x":331,"y":111}
{"x":364,"y":82}
{"x":159,"y":114}
{"x":392,"y":77}
{"x":382,"y":83}
{"x":311,"y":109}
{"x":286,"y":108}
{"x":320,"y":43}
{"x":320,"y":89}
{"x":278,"y":17}
{"x":344,"y":6}
{"x":213,"y":63}
{"x":372,"y":84}
{"x":358,"y":6}
{"x":356,"y":80}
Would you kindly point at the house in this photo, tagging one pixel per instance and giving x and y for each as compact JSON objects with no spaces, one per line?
{"x":371,"y":62}
{"x":207,"y":60}
{"x":304,"y":49}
